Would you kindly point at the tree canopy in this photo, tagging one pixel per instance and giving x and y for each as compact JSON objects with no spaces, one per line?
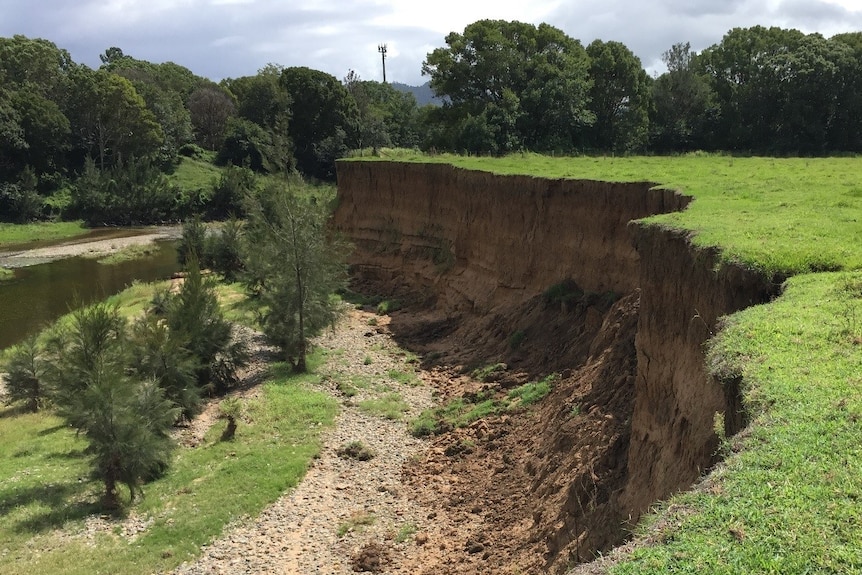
{"x":527,"y":85}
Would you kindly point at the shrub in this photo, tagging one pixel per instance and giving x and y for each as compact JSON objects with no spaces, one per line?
{"x":356,"y":450}
{"x":19,"y":204}
{"x":387,"y":306}
{"x":223,"y":250}
{"x":24,"y":377}
{"x":562,"y":293}
{"x":231,"y":410}
{"x":198,"y":324}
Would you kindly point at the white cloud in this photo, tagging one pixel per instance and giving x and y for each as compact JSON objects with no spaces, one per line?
{"x":229,"y":38}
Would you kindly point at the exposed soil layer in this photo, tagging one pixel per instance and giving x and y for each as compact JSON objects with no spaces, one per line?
{"x":547,"y":276}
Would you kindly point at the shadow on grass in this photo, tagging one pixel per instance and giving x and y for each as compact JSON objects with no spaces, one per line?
{"x":67,"y":455}
{"x":56,"y":498}
{"x":14,"y":410}
{"x":51,"y":430}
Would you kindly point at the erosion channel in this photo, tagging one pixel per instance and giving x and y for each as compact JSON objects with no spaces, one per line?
{"x":548,"y":276}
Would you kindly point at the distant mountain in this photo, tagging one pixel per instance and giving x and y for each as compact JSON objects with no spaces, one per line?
{"x":423,"y":93}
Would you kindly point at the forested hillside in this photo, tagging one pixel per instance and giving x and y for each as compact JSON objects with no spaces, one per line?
{"x":98,"y":144}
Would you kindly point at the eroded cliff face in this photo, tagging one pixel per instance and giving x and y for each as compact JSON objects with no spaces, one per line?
{"x":478,"y":250}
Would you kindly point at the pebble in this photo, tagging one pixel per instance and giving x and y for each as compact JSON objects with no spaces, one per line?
{"x":298,"y":534}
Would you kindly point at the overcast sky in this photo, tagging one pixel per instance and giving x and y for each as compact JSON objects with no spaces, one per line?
{"x":231,"y":38}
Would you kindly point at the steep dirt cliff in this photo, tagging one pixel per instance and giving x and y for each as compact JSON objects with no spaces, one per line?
{"x":525,"y":270}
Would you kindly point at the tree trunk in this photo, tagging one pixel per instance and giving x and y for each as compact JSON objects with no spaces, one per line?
{"x":230,"y":430}
{"x":110,"y":501}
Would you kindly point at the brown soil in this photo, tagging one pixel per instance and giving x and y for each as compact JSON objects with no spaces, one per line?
{"x":531,"y":492}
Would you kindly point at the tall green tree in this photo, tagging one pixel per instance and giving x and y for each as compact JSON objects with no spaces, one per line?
{"x":534,"y":76}
{"x":295,"y":267}
{"x":682,"y":104}
{"x":110,"y":120}
{"x":323,"y":120}
{"x":259,"y":136}
{"x":845,"y":133}
{"x":619,"y":97}
{"x":747,"y":91}
{"x":34,"y":128}
{"x":210,"y":108}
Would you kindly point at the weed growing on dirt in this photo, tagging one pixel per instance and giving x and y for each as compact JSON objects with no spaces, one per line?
{"x":388,"y":306}
{"x":530,"y":393}
{"x":404,"y":377}
{"x":390,"y":406}
{"x":461,"y":412}
{"x":491,"y":372}
{"x":517,"y":339}
{"x":405,"y":532}
{"x":356,"y":450}
{"x":355,"y":524}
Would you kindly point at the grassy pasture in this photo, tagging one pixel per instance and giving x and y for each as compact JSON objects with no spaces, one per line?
{"x":13,"y":234}
{"x":778,"y":215}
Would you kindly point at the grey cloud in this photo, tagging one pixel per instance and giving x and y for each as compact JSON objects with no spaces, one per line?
{"x":230,"y":38}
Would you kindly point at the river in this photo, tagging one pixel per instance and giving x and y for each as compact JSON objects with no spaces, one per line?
{"x":50,"y":280}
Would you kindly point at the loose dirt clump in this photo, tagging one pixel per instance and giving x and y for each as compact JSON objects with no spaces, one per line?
{"x":372,"y":558}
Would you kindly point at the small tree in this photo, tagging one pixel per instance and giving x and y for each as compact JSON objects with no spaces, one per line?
{"x":195,"y":320}
{"x":24,"y":377}
{"x":126,"y":421}
{"x":156,"y":353}
{"x":231,"y":410}
{"x":193,"y":241}
{"x":295,"y":266}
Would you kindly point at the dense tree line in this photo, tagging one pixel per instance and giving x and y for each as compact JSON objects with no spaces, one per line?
{"x":505,"y":86}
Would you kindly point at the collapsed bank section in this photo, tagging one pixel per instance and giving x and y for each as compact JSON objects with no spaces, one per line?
{"x":469,"y":244}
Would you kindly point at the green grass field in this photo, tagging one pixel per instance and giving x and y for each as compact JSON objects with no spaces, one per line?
{"x":777,"y":215}
{"x":13,"y":234}
{"x":196,"y":174}
{"x":788,"y":497}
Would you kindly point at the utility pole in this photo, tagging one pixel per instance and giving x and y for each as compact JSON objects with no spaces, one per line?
{"x":382,"y":49}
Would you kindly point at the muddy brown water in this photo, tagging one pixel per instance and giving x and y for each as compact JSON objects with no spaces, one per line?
{"x":40,"y":293}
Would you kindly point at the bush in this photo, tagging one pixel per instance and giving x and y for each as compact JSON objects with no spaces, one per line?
{"x":230,"y":192}
{"x":24,"y":377}
{"x":19,"y":205}
{"x":198,"y":324}
{"x":192,"y":244}
{"x":223,"y":250}
{"x":562,"y":293}
{"x":191,"y":151}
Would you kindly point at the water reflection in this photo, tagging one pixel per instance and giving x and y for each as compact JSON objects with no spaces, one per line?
{"x":41,"y":293}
